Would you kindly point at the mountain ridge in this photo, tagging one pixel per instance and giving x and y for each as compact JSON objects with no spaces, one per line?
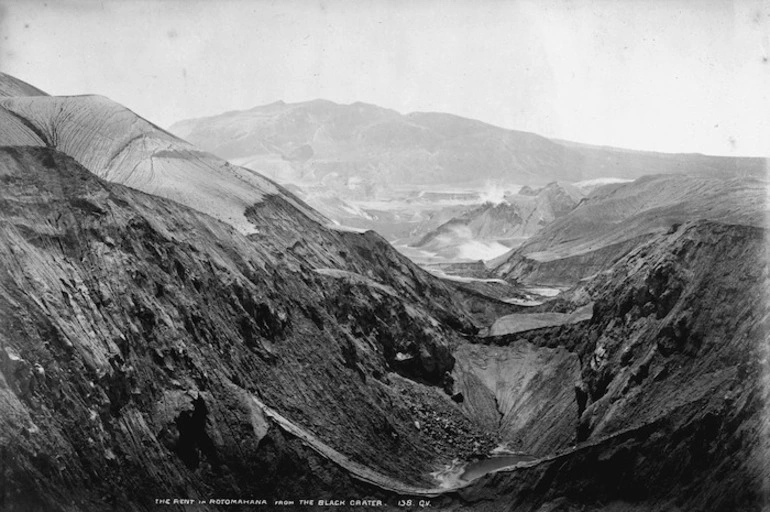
{"x":120,"y":146}
{"x":503,"y":223}
{"x":150,"y":346}
{"x":615,"y":218}
{"x":361,"y":165}
{"x":12,"y":86}
{"x":470,"y":120}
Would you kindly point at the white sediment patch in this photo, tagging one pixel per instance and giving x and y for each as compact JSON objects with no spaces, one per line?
{"x":543,"y":291}
{"x":598,"y":182}
{"x":448,"y":475}
{"x":345,"y":229}
{"x":522,"y":302}
{"x":475,"y":250}
{"x":463,"y":279}
{"x":519,"y":322}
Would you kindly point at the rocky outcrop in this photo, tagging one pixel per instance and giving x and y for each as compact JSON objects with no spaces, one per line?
{"x":673,"y":384}
{"x":615,"y":219}
{"x":521,"y":392}
{"x":139,"y":338}
{"x":154,"y":347}
{"x":514,"y":219}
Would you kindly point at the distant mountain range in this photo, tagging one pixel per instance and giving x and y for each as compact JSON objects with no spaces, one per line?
{"x":422,"y":179}
{"x":361,"y":148}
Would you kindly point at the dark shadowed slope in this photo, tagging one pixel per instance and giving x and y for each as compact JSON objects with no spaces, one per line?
{"x":151,"y":321}
{"x":148,"y":349}
{"x":673,"y":386}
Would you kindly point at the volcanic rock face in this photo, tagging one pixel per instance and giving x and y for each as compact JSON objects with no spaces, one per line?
{"x":219,"y":340}
{"x":507,"y":223}
{"x":513,"y":389}
{"x":671,"y":394}
{"x":141,"y":338}
{"x":617,"y":218}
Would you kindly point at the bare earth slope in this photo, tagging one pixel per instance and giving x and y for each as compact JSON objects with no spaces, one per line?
{"x":116,"y":144}
{"x":217,"y":339}
{"x":673,"y":389}
{"x":143,"y":342}
{"x":616,"y":218}
{"x":12,"y":86}
{"x":374,"y":168}
{"x":505,"y":224}
{"x":146,"y":348}
{"x":376,"y":146}
{"x":162,"y":309}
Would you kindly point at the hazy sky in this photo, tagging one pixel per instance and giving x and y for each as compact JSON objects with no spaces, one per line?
{"x":679,"y":76}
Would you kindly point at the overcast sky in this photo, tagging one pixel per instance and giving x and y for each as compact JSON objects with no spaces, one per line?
{"x":668,"y":75}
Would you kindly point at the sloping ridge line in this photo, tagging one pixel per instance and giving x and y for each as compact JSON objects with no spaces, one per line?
{"x":29,"y":124}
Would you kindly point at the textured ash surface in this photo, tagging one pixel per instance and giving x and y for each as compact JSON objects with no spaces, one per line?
{"x":155,"y":345}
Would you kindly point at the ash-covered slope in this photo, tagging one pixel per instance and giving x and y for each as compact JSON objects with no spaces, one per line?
{"x":507,"y":223}
{"x":673,"y":389}
{"x":12,"y":86}
{"x":366,"y":148}
{"x":148,"y":350}
{"x":224,"y":347}
{"x":616,"y":218}
{"x":116,"y":144}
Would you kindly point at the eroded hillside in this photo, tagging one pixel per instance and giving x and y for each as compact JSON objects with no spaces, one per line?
{"x":496,"y":226}
{"x":119,"y":146}
{"x":149,"y":342}
{"x":615,"y":219}
{"x":672,"y":393}
{"x":202,"y":333}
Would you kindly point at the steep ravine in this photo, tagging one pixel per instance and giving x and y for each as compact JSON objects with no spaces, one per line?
{"x":671,"y":397}
{"x":148,"y":350}
{"x":136,"y":336}
{"x":522,"y":392}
